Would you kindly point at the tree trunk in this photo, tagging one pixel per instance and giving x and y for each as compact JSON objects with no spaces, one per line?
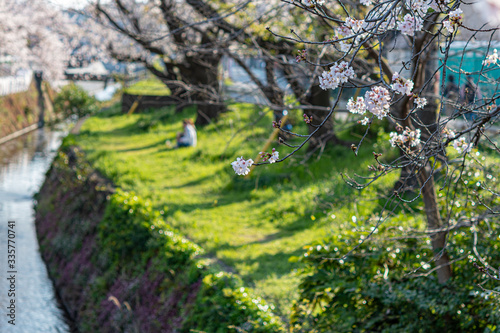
{"x":172,"y":81}
{"x":427,"y":123}
{"x":316,"y":97}
{"x":428,"y":118}
{"x":203,"y":77}
{"x":438,"y":240}
{"x":407,"y":182}
{"x":206,"y":113}
{"x":326,"y":134}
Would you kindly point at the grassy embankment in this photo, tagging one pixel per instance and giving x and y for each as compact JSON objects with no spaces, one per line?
{"x":251,"y":225}
{"x":150,"y":86}
{"x":254,"y":225}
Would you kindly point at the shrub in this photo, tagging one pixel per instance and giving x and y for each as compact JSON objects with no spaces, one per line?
{"x":373,"y":289}
{"x":224,"y":305}
{"x":73,"y":100}
{"x":131,"y":231}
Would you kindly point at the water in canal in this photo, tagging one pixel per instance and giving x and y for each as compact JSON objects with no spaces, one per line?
{"x":23,"y":164}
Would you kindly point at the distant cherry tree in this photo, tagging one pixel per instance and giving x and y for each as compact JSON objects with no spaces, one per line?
{"x":35,"y":35}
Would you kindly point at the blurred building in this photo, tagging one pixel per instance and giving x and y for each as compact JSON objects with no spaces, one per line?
{"x":94,"y":71}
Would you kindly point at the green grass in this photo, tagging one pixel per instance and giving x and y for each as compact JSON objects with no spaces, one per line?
{"x":250,"y":225}
{"x":151,"y":86}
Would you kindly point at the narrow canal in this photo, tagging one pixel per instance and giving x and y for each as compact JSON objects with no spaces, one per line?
{"x":23,"y":164}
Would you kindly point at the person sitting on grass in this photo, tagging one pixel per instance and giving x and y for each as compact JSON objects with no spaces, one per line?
{"x":188,"y":137}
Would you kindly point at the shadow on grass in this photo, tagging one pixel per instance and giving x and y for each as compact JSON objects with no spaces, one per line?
{"x":192,"y":183}
{"x":153,"y":145}
{"x":266,"y":265}
{"x":213,"y":202}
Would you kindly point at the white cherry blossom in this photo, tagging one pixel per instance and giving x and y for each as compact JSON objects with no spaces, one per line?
{"x":312,"y":3}
{"x":448,"y":26}
{"x":377,"y":101}
{"x":338,"y":73}
{"x":241,"y":166}
{"x":448,"y":134}
{"x":355,"y":25}
{"x":36,"y":36}
{"x":344,"y":47}
{"x":358,"y":107}
{"x":461,"y":146}
{"x":395,"y":139}
{"x":387,"y":24}
{"x":456,"y":16}
{"x":364,"y":121}
{"x":410,"y":24}
{"x":402,"y":85}
{"x":418,"y":6}
{"x":344,"y":31}
{"x":412,"y":138}
{"x":491,"y":59}
{"x":275,"y":155}
{"x":420,"y":102}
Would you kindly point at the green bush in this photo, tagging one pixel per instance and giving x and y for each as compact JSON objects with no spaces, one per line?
{"x":373,"y":290}
{"x":73,"y":100}
{"x":131,"y":231}
{"x":224,"y":305}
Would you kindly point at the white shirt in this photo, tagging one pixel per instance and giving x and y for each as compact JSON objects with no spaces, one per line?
{"x":189,"y":136}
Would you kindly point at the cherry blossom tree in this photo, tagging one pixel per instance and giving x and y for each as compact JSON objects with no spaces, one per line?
{"x":184,"y":48}
{"x":411,"y":96}
{"x":35,"y":35}
{"x":180,"y":42}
